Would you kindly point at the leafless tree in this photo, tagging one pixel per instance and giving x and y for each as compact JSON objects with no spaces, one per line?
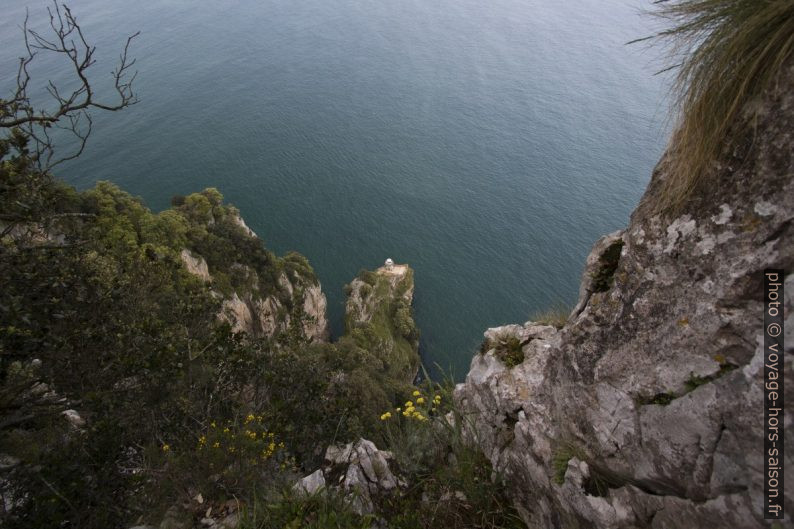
{"x":71,"y":108}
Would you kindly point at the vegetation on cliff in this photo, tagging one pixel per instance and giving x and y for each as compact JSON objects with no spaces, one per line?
{"x":728,"y":53}
{"x":124,"y":397}
{"x":379,"y":318}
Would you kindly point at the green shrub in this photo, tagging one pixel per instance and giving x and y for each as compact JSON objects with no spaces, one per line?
{"x":451,"y":483}
{"x":507,"y":348}
{"x":367,"y":276}
{"x":292,"y":510}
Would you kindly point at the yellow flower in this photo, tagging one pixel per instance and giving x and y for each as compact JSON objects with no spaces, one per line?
{"x":385,"y":416}
{"x":416,"y":393}
{"x":398,"y":409}
{"x":216,"y":445}
{"x":226,"y":430}
{"x":166,"y":447}
{"x":202,"y":440}
{"x":250,"y":418}
{"x":420,"y":400}
{"x":213,"y":424}
{"x":409,"y":404}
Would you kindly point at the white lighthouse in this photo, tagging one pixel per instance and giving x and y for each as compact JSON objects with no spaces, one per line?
{"x":389,"y":264}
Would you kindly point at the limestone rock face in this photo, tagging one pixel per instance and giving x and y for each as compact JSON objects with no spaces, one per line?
{"x":195,"y":264}
{"x":315,"y":326}
{"x":395,"y":282}
{"x":359,"y":469}
{"x":646,"y":409}
{"x":237,"y":219}
{"x":268,"y":314}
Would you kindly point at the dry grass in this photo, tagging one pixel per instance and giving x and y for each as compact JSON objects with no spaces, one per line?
{"x":728,"y":53}
{"x":555,"y":315}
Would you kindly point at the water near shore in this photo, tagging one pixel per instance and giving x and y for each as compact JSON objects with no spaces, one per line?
{"x":488,"y":144}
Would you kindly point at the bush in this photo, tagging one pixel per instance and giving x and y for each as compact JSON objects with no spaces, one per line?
{"x":323,"y":510}
{"x":452,"y":484}
{"x":507,"y":348}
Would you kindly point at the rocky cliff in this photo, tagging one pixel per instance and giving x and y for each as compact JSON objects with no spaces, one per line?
{"x":295,"y":301}
{"x":379,"y":317}
{"x":646,"y":408}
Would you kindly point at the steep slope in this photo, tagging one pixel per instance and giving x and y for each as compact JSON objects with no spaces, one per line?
{"x":646,"y":409}
{"x":263,"y":295}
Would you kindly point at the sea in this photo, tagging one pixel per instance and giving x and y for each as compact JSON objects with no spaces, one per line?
{"x":487,"y":144}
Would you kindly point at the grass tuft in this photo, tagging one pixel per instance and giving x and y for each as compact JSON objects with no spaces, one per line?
{"x":728,"y":53}
{"x":555,"y":316}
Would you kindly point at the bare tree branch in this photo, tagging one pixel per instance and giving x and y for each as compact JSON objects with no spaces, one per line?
{"x":71,"y":111}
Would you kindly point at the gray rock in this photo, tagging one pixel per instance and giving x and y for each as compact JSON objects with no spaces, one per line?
{"x":74,"y":418}
{"x":359,"y":469}
{"x":195,"y":264}
{"x":311,"y":483}
{"x":652,"y":390}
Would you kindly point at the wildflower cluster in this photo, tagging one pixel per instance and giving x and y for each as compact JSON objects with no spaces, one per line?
{"x":248,"y":440}
{"x":419,"y":411}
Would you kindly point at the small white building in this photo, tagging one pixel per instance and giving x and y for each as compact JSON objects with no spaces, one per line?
{"x":389,"y":264}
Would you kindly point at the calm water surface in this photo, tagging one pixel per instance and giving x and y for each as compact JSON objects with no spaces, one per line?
{"x":486,"y":143}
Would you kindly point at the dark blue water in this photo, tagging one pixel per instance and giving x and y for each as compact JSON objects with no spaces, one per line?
{"x":488,"y":144}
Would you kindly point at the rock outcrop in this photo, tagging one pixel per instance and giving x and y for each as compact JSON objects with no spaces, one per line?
{"x":195,"y":264}
{"x":358,"y":469}
{"x":298,"y":300}
{"x":646,"y":409}
{"x":379,"y":316}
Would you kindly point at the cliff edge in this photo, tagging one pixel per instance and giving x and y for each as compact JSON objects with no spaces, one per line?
{"x":646,"y":408}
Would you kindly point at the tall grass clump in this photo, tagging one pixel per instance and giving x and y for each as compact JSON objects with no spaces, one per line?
{"x":555,"y":315}
{"x":727,"y":53}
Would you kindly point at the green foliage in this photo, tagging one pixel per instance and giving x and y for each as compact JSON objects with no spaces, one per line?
{"x":323,"y":510}
{"x":390,"y":333}
{"x":563,"y":453}
{"x":404,"y":321}
{"x":296,"y":264}
{"x":452,"y":484}
{"x":507,"y":348}
{"x":324,"y":394}
{"x":691,"y":384}
{"x":368,"y":276}
{"x":728,"y":53}
{"x":696,"y":381}
{"x":607,"y":264}
{"x":117,"y":326}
